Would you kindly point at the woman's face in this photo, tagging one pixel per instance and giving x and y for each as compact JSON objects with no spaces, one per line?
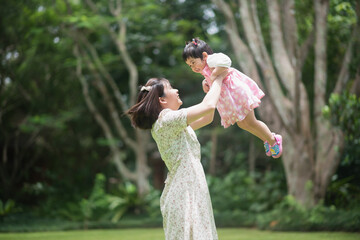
{"x":171,"y":99}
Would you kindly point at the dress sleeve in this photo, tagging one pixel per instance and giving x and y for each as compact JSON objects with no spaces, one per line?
{"x":174,"y":121}
{"x":218,"y":60}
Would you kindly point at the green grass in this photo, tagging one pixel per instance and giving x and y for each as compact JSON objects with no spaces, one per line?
{"x":158,"y":234}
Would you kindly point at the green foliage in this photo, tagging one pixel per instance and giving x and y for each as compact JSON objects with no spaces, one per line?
{"x":42,"y":113}
{"x":291,"y":216}
{"x":7,"y":207}
{"x":103,"y":206}
{"x":236,"y":218}
{"x":152,"y":206}
{"x":341,"y":21}
{"x":344,"y":113}
{"x":237,"y":191}
{"x":47,"y":121}
{"x":342,"y":13}
{"x":128,"y":201}
{"x":28,"y":222}
{"x":95,"y":207}
{"x":98,"y":200}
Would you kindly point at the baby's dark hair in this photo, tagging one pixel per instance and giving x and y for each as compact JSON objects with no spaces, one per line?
{"x":147,"y":108}
{"x":195,"y":48}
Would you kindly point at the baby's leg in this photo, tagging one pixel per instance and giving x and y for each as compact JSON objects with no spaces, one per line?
{"x":257,"y":128}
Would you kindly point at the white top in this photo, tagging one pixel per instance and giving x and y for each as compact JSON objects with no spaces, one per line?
{"x":218,"y":60}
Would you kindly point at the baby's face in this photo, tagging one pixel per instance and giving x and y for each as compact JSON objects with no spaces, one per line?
{"x":196,"y":64}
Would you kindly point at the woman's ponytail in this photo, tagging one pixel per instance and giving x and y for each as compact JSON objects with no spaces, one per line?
{"x":147,"y":108}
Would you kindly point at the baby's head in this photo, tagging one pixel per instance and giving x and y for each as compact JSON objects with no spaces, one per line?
{"x":195,"y":49}
{"x":195,"y":54}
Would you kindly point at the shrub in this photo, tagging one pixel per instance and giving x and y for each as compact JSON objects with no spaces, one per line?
{"x":103,"y":206}
{"x":290,"y":216}
{"x":7,"y":208}
{"x":237,"y":191}
{"x":343,"y":111}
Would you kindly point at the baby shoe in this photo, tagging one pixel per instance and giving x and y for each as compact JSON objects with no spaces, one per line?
{"x":267,"y":148}
{"x":276,"y":149}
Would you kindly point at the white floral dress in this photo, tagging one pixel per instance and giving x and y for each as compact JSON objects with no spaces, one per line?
{"x":185,"y":201}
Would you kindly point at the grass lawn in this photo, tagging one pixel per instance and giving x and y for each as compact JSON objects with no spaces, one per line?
{"x":158,"y":234}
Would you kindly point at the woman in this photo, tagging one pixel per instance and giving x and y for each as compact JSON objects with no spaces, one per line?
{"x":185,"y":202}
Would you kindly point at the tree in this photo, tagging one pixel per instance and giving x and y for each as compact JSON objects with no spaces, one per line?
{"x":312,"y":147}
{"x":32,"y":107}
{"x":45,"y":134}
{"x":86,"y":22}
{"x":113,"y":47}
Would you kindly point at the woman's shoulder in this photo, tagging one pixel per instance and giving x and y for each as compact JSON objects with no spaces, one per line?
{"x":170,"y":122}
{"x":168,"y":115}
{"x":164,"y":112}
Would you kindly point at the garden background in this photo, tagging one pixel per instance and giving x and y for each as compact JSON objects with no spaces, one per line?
{"x":70,"y":159}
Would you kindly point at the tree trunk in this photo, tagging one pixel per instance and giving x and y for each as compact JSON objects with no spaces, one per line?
{"x":355,"y":89}
{"x":214,"y":138}
{"x":311,"y":155}
{"x":142,"y":169}
{"x":252,"y":157}
{"x":140,"y":143}
{"x":328,"y":140}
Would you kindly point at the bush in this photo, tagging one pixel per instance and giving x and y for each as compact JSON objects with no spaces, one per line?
{"x":237,"y":191}
{"x":235,"y":218}
{"x":290,"y":216}
{"x":28,"y":222}
{"x":103,"y":206}
{"x":7,"y":208}
{"x":344,"y":113}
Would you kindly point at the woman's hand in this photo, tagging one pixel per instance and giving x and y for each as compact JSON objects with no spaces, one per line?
{"x":205,"y":86}
{"x":203,"y":113}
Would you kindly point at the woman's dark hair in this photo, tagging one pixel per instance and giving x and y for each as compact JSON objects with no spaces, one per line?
{"x":147,"y":108}
{"x":195,"y":48}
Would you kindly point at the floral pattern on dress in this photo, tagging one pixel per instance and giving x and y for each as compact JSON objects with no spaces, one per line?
{"x":185,"y":201}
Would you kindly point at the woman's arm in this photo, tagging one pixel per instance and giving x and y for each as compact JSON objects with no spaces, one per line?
{"x":207,"y":106}
{"x":203,"y":121}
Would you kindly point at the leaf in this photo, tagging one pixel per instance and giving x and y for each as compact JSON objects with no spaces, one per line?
{"x":116,"y":202}
{"x":118,"y":215}
{"x":9,"y":206}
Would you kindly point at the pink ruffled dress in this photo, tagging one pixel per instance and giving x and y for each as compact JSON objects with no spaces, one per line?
{"x":239,"y":93}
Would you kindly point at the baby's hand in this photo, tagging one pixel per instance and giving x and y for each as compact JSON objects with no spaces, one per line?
{"x":205,"y":86}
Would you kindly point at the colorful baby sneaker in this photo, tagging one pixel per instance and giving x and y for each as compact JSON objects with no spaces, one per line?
{"x":276,"y":149}
{"x":267,"y":148}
